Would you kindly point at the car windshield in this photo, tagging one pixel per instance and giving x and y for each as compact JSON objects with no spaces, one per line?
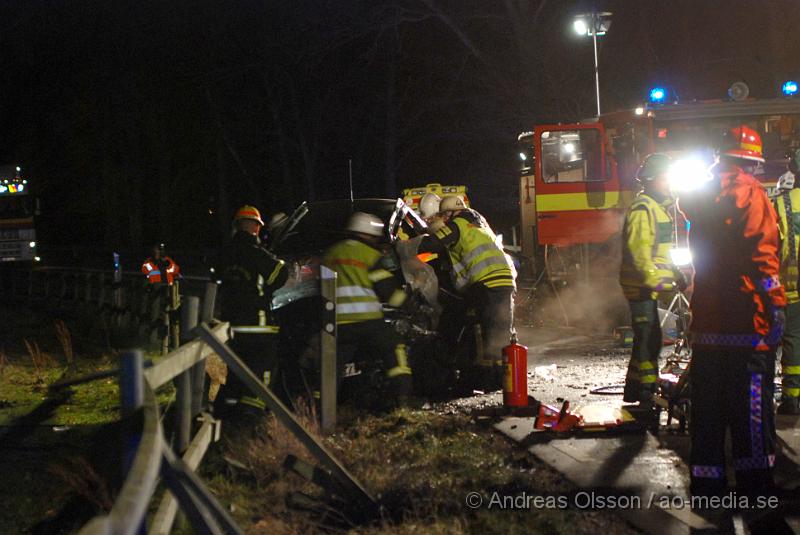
{"x":324,"y":222}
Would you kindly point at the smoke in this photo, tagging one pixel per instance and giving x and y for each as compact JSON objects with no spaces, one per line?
{"x":568,"y":296}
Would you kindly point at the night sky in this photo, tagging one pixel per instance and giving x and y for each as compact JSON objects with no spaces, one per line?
{"x":152,"y":121}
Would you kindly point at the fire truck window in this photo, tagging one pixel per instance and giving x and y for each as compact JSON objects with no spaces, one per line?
{"x":572,"y":156}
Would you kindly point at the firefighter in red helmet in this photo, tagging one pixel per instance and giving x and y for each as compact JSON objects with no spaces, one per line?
{"x":737,"y":308}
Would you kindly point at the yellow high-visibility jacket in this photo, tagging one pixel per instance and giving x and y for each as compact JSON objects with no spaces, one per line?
{"x":474,"y":252}
{"x":647,"y":238}
{"x":789,"y":230}
{"x":362,"y":283}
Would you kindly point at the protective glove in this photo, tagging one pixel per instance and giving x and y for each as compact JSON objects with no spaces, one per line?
{"x":664,"y":286}
{"x":681,"y":281}
{"x":777,"y":322}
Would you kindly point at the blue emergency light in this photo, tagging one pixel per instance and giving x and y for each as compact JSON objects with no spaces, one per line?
{"x":789,"y":88}
{"x":658,"y":95}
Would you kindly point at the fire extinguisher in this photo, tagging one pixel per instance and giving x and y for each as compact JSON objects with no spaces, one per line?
{"x":515,"y":384}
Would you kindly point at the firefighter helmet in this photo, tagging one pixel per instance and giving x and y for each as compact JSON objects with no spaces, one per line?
{"x":794,"y":161}
{"x":742,"y":142}
{"x":655,"y":165}
{"x":786,"y":181}
{"x":249,"y":212}
{"x":452,"y":203}
{"x":276,"y":221}
{"x":429,"y":205}
{"x":368,"y":224}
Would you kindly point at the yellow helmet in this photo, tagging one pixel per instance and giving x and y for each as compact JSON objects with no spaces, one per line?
{"x":249,"y":212}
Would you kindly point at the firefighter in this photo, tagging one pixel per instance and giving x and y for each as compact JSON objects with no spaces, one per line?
{"x":160,"y":268}
{"x":737,"y":319}
{"x":484,"y":275}
{"x":787,"y":205}
{"x":363,"y":283}
{"x":249,"y":274}
{"x":429,"y":211}
{"x":646,"y":271}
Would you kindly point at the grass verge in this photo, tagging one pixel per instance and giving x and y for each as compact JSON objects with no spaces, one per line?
{"x":419,"y":464}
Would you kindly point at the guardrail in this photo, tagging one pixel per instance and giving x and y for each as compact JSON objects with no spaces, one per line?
{"x":149,"y":456}
{"x":120,"y":301}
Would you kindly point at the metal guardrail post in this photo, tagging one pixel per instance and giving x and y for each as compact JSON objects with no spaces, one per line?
{"x":131,"y":390}
{"x":209,"y":302}
{"x":184,"y":399}
{"x":349,"y":484}
{"x":327,"y":345}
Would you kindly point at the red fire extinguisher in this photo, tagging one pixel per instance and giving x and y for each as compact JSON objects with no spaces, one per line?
{"x":515,"y":384}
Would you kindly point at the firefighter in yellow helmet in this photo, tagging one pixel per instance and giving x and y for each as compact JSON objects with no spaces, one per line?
{"x":787,"y":205}
{"x":248,"y":274}
{"x":363,"y":284}
{"x":647,"y":271}
{"x":484,"y":275}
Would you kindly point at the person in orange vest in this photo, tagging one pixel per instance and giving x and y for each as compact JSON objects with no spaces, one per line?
{"x":160,"y":268}
{"x":737,"y":321}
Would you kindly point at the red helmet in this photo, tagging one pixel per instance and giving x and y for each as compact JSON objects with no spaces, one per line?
{"x":743,"y":142}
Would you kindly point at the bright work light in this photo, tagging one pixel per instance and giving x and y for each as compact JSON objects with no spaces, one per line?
{"x":523,"y":156}
{"x":687,"y":175}
{"x":789,"y":88}
{"x":580,"y":26}
{"x":681,"y":256}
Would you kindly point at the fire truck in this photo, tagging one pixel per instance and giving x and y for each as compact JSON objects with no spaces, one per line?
{"x":17,"y":210}
{"x":577,"y":179}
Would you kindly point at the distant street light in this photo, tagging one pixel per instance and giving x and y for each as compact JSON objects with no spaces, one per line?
{"x":593,"y":24}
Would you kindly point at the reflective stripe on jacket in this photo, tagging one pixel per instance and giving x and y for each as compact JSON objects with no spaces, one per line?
{"x":789,"y":230}
{"x":647,"y":238}
{"x":475,"y":255}
{"x":357,"y":269}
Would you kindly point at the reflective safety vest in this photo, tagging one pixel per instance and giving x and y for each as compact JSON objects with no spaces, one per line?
{"x":153,"y":273}
{"x":476,"y":256}
{"x":789,"y":229}
{"x":358,"y":270}
{"x":647,"y":238}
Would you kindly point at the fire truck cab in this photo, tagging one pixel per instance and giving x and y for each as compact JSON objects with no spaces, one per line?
{"x":577,"y":179}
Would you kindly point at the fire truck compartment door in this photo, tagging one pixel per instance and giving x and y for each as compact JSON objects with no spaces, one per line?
{"x":578,"y":197}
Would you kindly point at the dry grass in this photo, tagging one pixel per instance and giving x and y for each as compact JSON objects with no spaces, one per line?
{"x":3,"y":362}
{"x":41,"y":360}
{"x":65,"y":339}
{"x":419,"y":465}
{"x":80,"y":478}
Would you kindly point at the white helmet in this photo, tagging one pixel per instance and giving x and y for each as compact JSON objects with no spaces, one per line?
{"x":786,"y":181}
{"x":365,"y":224}
{"x":429,"y":205}
{"x":452,"y":203}
{"x":276,"y":220}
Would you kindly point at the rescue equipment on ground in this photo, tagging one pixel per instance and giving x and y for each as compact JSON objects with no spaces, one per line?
{"x":515,"y":383}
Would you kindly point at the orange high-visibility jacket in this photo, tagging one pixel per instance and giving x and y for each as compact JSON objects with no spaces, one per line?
{"x":733,"y":237}
{"x":163,"y":270}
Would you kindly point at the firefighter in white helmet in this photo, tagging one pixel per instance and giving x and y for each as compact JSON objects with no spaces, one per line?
{"x":429,"y":211}
{"x":484,"y":276}
{"x":248,"y":274}
{"x":363,"y":284}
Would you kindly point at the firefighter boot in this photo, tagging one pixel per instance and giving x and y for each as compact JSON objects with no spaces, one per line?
{"x":789,"y":406}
